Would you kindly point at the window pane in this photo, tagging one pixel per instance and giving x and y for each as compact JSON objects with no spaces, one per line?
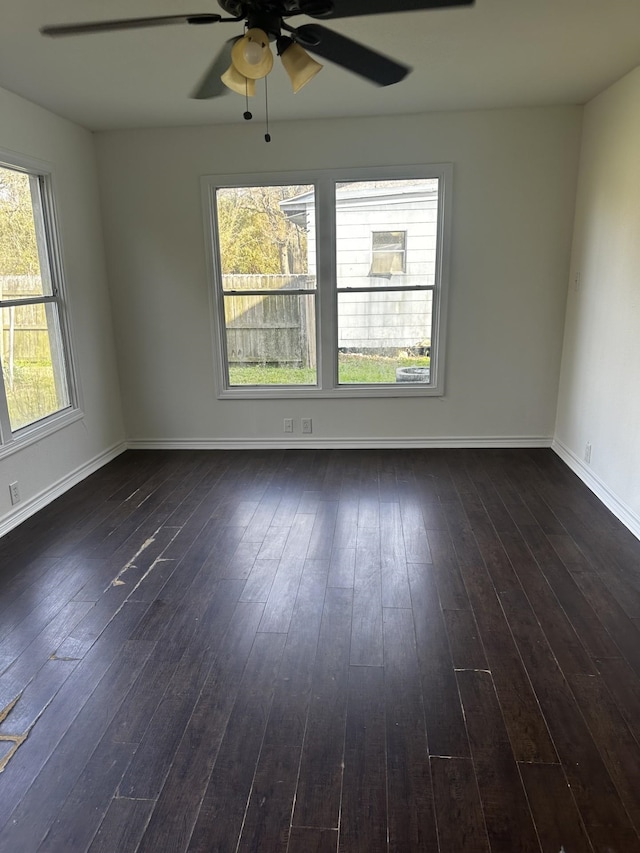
{"x":389,"y":241}
{"x":263,"y":237}
{"x":385,"y":227}
{"x":20,"y":220}
{"x":386,"y":236}
{"x":32,"y":363}
{"x":271,"y":339}
{"x":267,"y":246}
{"x":384,"y":337}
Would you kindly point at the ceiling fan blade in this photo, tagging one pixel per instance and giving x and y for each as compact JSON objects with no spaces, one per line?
{"x":127,"y":24}
{"x":211,"y":86}
{"x":354,"y":8}
{"x":350,"y":54}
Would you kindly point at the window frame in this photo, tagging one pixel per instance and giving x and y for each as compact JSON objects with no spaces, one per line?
{"x":51,"y":256}
{"x":325,"y":182}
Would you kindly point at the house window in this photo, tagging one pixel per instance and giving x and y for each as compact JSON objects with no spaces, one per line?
{"x":330,"y":283}
{"x":388,"y":252}
{"x":267,"y":290}
{"x":36,"y":388}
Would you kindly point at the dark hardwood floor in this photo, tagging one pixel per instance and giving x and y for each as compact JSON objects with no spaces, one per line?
{"x":315,"y":651}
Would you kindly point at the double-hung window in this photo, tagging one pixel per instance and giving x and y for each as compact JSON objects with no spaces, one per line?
{"x":330,"y":284}
{"x":37,"y":391}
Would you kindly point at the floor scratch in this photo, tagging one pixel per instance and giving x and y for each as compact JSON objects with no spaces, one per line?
{"x":16,"y":740}
{"x":117,"y":581}
{"x":9,"y":708}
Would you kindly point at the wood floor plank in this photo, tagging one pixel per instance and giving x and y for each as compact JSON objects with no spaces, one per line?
{"x":176,"y":811}
{"x":292,"y":695}
{"x":342,"y":567}
{"x":619,"y":749}
{"x":37,"y":695}
{"x":554,"y":810}
{"x":268,"y":817}
{"x":446,"y":731}
{"x":620,"y":627}
{"x":613,"y":839}
{"x":87,"y":804}
{"x":363,"y":817}
{"x":260,"y":580}
{"x":219,"y":823}
{"x":366,"y":634}
{"x":584,"y":620}
{"x":321,"y":765}
{"x":561,"y":635}
{"x":242,"y":560}
{"x":525,"y":723}
{"x":590,"y":781}
{"x":309,"y":840}
{"x":467,"y":651}
{"x":394,"y":576}
{"x":411,"y":816}
{"x":451,"y":588}
{"x":122,"y":826}
{"x":508,"y":819}
{"x":154,"y":755}
{"x":416,"y":544}
{"x":624,"y":686}
{"x":321,"y":540}
{"x":458,"y":809}
{"x":281,"y":600}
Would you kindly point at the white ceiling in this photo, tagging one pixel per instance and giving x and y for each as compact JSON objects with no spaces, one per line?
{"x":500,"y":53}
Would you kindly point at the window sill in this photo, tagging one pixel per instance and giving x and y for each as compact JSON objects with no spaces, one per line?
{"x":37,"y":432}
{"x":341,"y":393}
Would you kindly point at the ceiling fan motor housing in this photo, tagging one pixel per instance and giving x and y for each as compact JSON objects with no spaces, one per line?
{"x":276,"y":8}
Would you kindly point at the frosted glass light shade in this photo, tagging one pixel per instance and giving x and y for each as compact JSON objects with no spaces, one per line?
{"x":299,"y":66}
{"x":251,"y":55}
{"x":235,"y":81}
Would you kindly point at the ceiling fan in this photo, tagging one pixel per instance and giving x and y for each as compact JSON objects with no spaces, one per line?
{"x":249,"y":57}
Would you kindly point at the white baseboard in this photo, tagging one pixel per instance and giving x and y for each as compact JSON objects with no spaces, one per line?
{"x":618,"y":507}
{"x":32,"y":505}
{"x":312,"y":443}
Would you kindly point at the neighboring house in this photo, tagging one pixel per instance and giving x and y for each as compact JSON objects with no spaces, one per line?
{"x":386,"y":237}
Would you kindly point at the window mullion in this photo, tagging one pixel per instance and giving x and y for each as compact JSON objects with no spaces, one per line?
{"x":327,"y":294}
{"x":34,"y":300}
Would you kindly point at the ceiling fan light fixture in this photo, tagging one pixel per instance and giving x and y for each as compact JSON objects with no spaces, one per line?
{"x":251,"y":55}
{"x":300,"y":67}
{"x":237,"y":82}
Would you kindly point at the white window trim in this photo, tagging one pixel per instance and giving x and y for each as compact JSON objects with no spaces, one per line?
{"x":14,"y":440}
{"x":327,"y":293}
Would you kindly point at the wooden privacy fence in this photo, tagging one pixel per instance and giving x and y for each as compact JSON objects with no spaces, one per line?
{"x":24,"y":329}
{"x":271,"y":327}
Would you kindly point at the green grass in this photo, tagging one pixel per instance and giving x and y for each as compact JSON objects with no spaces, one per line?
{"x":270,"y":375}
{"x":353,"y":370}
{"x":33,"y":395}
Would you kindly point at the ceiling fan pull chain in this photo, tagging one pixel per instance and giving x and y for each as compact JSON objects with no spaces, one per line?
{"x":247,"y":114}
{"x":267,"y":136}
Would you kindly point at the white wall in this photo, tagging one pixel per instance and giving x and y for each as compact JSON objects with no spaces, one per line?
{"x":514,"y":191}
{"x":55,"y":462}
{"x":599,"y":400}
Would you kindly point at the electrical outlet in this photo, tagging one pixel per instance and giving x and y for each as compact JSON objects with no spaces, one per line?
{"x":14,"y":491}
{"x":587,"y":452}
{"x":306,"y":426}
{"x":288,"y":425}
